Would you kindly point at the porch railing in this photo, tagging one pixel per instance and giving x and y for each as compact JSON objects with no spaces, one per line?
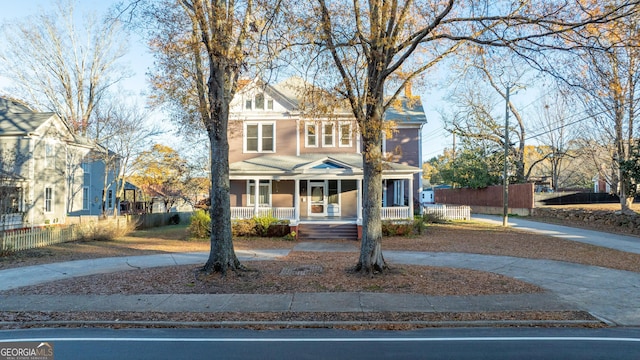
{"x":448,"y":212}
{"x":247,"y":212}
{"x":395,"y":213}
{"x":11,"y":221}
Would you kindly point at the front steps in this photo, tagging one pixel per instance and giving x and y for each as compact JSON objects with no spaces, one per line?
{"x":327,"y":232}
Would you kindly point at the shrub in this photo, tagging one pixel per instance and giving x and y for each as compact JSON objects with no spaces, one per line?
{"x":174,"y":219}
{"x":200,"y":226}
{"x":404,"y":228}
{"x":243,"y":227}
{"x":262,"y":223}
{"x":105,"y":230}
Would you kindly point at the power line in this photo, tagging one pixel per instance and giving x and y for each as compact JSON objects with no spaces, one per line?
{"x":565,"y":125}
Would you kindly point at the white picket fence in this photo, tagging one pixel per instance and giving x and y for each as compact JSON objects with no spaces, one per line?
{"x":448,"y":212}
{"x":23,"y":239}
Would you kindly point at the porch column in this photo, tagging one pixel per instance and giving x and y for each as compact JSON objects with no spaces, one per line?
{"x":296,"y":201}
{"x":411,"y":197}
{"x":256,"y":195}
{"x":359,"y":202}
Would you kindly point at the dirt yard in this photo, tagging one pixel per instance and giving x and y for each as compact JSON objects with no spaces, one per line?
{"x":332,"y":270}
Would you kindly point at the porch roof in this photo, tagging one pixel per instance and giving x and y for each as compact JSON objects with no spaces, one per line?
{"x":310,"y":164}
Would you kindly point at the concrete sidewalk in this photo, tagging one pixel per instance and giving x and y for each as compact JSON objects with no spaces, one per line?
{"x":612,"y":295}
{"x":613,"y":241}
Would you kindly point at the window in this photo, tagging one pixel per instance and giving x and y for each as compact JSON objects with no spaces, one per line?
{"x":85,"y":198}
{"x":311,"y":133}
{"x":398,"y":193}
{"x":345,"y":134}
{"x":264,"y":193}
{"x":259,"y":102}
{"x":333,"y":192}
{"x":10,"y":199}
{"x":48,"y":200}
{"x":327,"y":134}
{"x":269,"y":104}
{"x":49,"y":155}
{"x":260,"y":137}
{"x":247,"y":104}
{"x":110,"y":199}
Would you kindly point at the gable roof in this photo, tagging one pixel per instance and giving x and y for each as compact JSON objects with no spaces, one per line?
{"x":286,"y":165}
{"x":18,"y":119}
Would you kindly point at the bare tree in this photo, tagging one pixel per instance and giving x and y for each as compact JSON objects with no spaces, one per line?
{"x":378,"y":47}
{"x":57,"y":66}
{"x":123,"y":132}
{"x":202,"y":47}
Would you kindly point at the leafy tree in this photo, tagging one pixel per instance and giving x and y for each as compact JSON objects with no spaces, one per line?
{"x":475,"y":166}
{"x":161,"y":173}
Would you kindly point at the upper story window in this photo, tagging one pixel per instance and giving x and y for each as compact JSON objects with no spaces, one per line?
{"x":311,"y":135}
{"x":328,"y":134}
{"x":259,"y":137}
{"x":258,"y":102}
{"x":49,"y":154}
{"x":345,"y":134}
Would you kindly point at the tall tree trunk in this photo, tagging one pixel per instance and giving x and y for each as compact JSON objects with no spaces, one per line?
{"x":371,"y":259}
{"x":222,"y":256}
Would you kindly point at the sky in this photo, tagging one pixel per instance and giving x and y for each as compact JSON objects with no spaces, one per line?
{"x":435,"y":137}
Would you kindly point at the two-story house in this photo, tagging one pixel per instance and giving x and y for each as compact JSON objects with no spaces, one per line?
{"x":46,"y":171}
{"x":306,"y":165}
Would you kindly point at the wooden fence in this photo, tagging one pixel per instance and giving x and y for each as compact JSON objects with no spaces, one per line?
{"x":16,"y":240}
{"x":448,"y":212}
{"x":490,"y":200}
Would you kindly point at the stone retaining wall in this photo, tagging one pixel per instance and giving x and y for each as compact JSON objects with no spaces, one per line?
{"x":596,"y":219}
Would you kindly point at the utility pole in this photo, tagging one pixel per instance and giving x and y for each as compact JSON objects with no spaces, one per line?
{"x":505,"y":195}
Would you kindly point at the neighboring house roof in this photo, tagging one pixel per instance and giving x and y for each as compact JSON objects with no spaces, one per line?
{"x":406,"y":111}
{"x":18,"y":119}
{"x":310,"y":163}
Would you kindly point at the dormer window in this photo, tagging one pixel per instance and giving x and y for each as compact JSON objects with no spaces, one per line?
{"x":259,"y":101}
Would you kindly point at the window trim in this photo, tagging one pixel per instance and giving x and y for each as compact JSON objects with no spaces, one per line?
{"x":308,"y":125}
{"x":260,"y":125}
{"x":262,"y":183}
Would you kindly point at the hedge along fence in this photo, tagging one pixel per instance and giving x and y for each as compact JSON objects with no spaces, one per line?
{"x":146,"y":221}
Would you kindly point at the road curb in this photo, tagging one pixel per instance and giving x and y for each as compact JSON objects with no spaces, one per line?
{"x":308,"y":324}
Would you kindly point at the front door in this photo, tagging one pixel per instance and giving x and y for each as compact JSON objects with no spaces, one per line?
{"x":318,"y":201}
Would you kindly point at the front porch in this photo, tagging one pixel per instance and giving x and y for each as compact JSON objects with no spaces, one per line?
{"x":289,"y":213}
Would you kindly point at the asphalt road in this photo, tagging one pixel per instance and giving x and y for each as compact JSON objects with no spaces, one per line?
{"x":469,"y":343}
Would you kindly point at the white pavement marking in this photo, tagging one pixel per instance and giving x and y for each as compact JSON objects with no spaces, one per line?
{"x":352,"y":340}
